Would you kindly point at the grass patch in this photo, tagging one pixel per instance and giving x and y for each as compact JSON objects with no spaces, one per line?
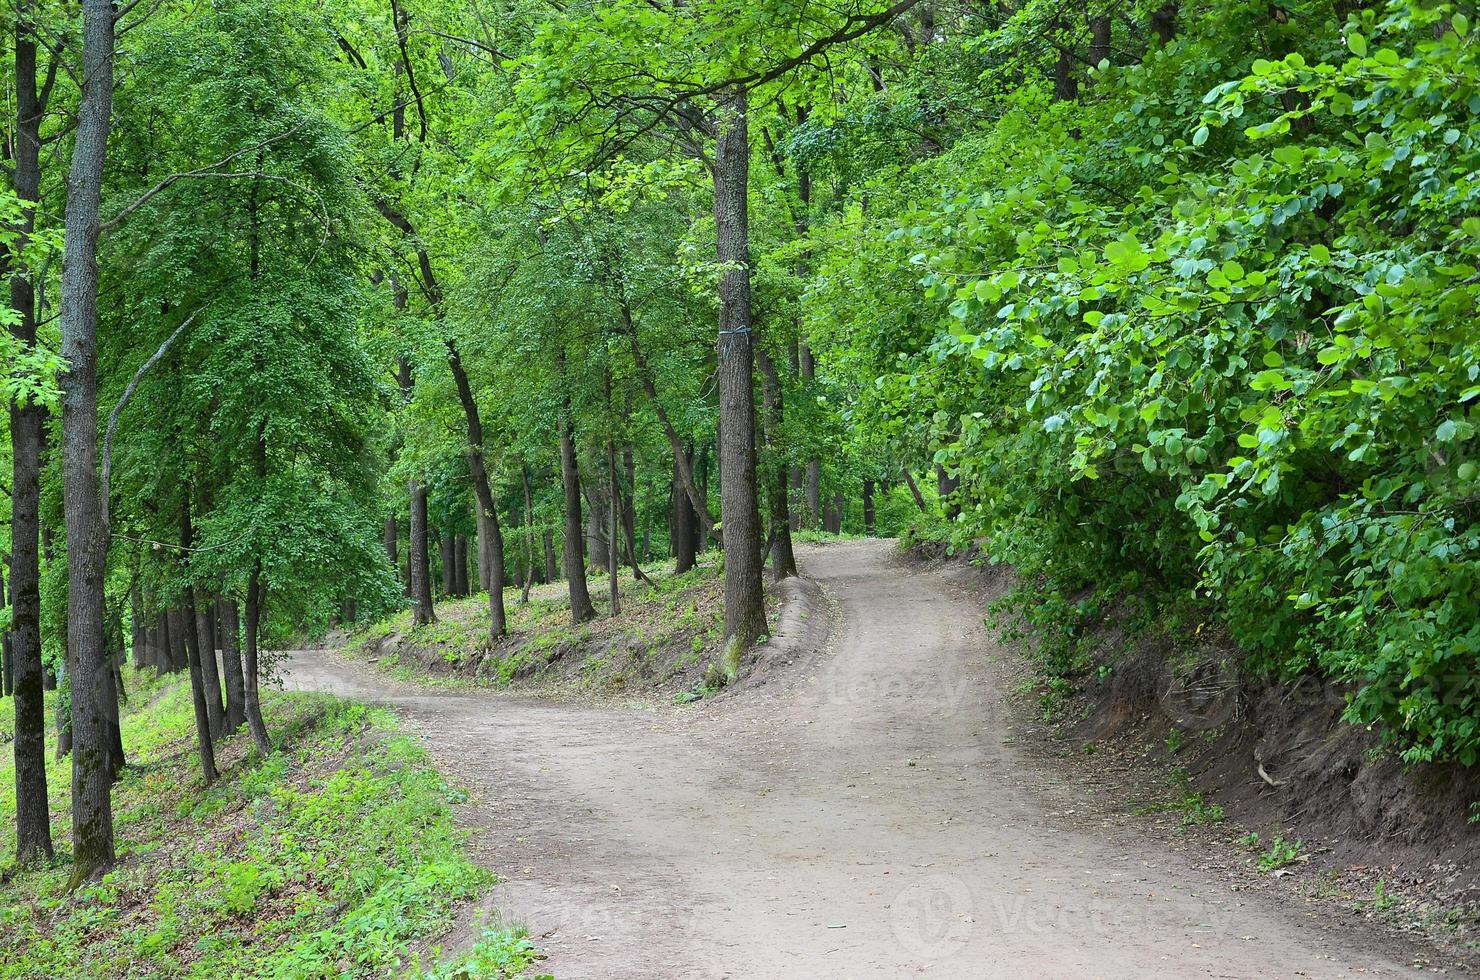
{"x":334,"y":857}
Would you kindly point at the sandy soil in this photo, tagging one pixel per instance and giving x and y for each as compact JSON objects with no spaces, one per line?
{"x":863,"y":814}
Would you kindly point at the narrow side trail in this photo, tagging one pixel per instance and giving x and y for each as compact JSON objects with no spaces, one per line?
{"x":861,"y":815}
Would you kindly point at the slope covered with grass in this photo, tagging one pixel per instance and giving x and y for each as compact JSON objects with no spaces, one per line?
{"x":336,"y":856}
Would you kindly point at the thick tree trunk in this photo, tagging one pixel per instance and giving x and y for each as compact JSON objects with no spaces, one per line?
{"x":745,"y":613}
{"x":868,"y":508}
{"x":250,"y":669}
{"x":1099,"y":40}
{"x":87,"y":532}
{"x":483,"y":493}
{"x":482,"y":552}
{"x":783,"y":557}
{"x":551,"y":572}
{"x":573,"y":557}
{"x":596,"y":521}
{"x":421,"y":572}
{"x":231,"y":665}
{"x":460,"y":564}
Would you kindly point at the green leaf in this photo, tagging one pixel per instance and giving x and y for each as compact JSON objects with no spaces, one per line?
{"x":1200,"y":137}
{"x":1357,"y":43}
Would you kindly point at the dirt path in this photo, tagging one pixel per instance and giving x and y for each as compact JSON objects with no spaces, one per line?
{"x":863,"y":816}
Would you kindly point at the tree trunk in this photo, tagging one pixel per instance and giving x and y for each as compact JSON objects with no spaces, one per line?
{"x":421,"y":572}
{"x":745,"y":614}
{"x":446,"y":547}
{"x":629,"y":501}
{"x":1164,"y":22}
{"x":945,"y":486}
{"x":683,"y":469}
{"x":551,"y":573}
{"x":250,"y":670}
{"x":87,"y":534}
{"x":529,"y":558}
{"x":231,"y":665}
{"x":909,"y":479}
{"x":613,"y":562}
{"x":574,"y":558}
{"x":483,"y":493}
{"x":204,"y":678}
{"x":179,"y":658}
{"x":783,"y":557}
{"x":1099,"y":42}
{"x":681,"y":528}
{"x":200,"y":698}
{"x":868,"y":508}
{"x":27,"y":434}
{"x":482,"y":552}
{"x":1065,"y":86}
{"x":596,"y":521}
{"x":390,"y":543}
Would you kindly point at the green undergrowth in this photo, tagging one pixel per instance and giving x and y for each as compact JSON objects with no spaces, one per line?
{"x":665,"y":630}
{"x":334,"y":857}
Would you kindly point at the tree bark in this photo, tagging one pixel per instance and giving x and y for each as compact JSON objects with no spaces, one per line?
{"x":446,"y":548}
{"x":250,"y":669}
{"x":529,"y":559}
{"x":231,"y":664}
{"x":1164,"y":22}
{"x":681,"y":528}
{"x":87,"y":534}
{"x":1099,"y":40}
{"x":551,"y":573}
{"x":868,"y":508}
{"x":909,"y":479}
{"x":422,"y":612}
{"x":613,"y":561}
{"x":204,"y":678}
{"x":27,"y":434}
{"x":179,"y":658}
{"x":945,"y":486}
{"x":783,"y":557}
{"x":581,"y":609}
{"x":745,"y":614}
{"x":483,"y":493}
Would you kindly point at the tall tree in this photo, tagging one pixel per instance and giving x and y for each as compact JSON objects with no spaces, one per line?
{"x":87,"y":534}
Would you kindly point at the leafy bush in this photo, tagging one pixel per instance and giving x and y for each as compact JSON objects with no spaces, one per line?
{"x":1217,"y":334}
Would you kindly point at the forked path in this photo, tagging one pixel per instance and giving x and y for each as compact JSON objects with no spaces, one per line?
{"x":860,"y":815}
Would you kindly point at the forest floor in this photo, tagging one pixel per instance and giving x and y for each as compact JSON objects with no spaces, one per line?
{"x":861,"y":810}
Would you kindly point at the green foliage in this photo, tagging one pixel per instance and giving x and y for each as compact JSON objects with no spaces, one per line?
{"x":332,"y":858}
{"x":1281,"y":853}
{"x":1214,"y":333}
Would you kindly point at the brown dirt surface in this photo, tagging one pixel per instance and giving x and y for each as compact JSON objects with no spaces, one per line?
{"x":866,"y":811}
